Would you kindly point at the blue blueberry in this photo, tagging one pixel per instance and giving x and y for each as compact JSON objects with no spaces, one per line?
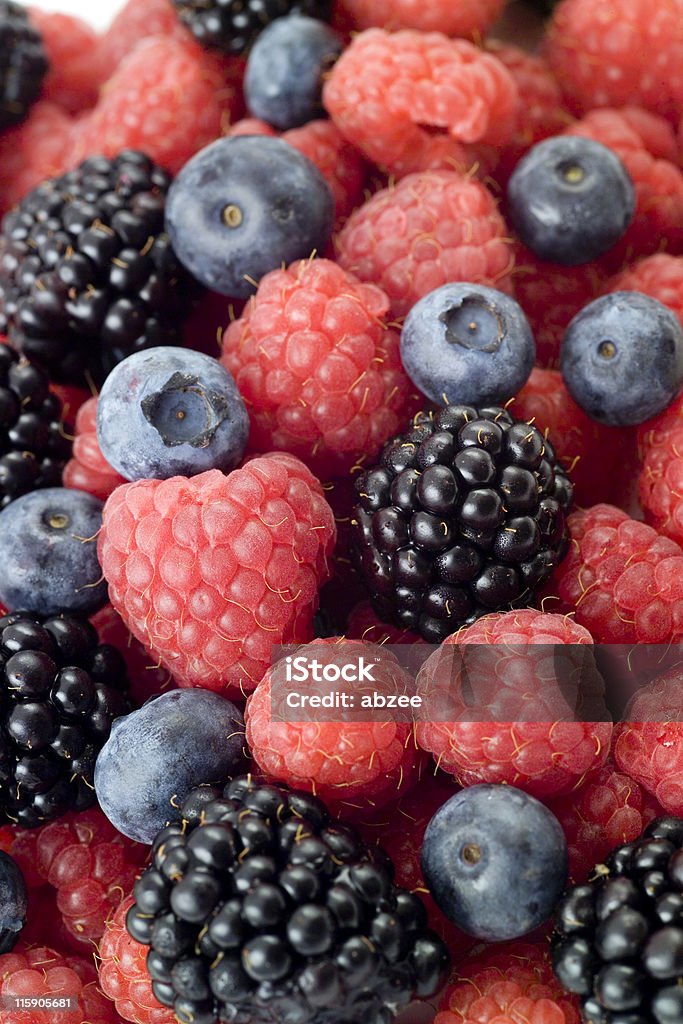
{"x":570,"y":199}
{"x":465,"y":344}
{"x":244,"y":206}
{"x":622,"y":358}
{"x":284,"y":75}
{"x":13,"y":902}
{"x":156,"y":755}
{"x":495,"y":861}
{"x":48,"y":553}
{"x":170,"y":412}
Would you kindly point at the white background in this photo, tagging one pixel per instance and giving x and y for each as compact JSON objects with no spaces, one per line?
{"x":98,"y":12}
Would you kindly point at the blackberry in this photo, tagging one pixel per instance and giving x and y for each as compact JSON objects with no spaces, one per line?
{"x":34,"y":443}
{"x":60,"y":692}
{"x":258,"y":909}
{"x":465,"y":514}
{"x":87,"y":273}
{"x":23,"y":63}
{"x":618,"y":942}
{"x":232,"y":25}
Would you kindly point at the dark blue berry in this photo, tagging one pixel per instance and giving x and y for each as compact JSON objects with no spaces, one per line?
{"x":244,"y":206}
{"x":495,"y":861}
{"x":467,"y":344}
{"x":284,"y":75}
{"x":622,"y":358}
{"x":13,"y":902}
{"x":570,"y":199}
{"x":48,"y":553}
{"x":171,"y":412}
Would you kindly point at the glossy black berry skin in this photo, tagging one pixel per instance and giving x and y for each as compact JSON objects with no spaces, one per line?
{"x":87,"y":273}
{"x":618,"y":941}
{"x":23,"y":63}
{"x":60,"y":691}
{"x":464,"y":514}
{"x":231,"y":26}
{"x":258,"y":908}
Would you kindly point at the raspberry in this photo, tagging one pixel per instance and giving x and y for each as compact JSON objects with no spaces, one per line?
{"x":507,"y":984}
{"x":168,"y":98}
{"x":209,"y":572}
{"x":466,"y":18}
{"x":661,"y":447}
{"x":543,"y":756}
{"x":137,"y":20}
{"x":45,"y":926}
{"x":88,"y":470}
{"x":431,"y":228}
{"x":620,"y":53}
{"x":317,"y":367}
{"x":42,"y":971}
{"x":75,"y":73}
{"x":610,"y":809}
{"x":397,"y":96}
{"x":593,"y":455}
{"x":364,"y":624}
{"x":658,"y":218}
{"x":660,"y":276}
{"x":620,"y":579}
{"x":147,"y":678}
{"x":123,"y":973}
{"x":33,"y":151}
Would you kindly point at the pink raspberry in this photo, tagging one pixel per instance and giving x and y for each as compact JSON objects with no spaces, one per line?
{"x":41,"y":971}
{"x":88,"y":470}
{"x":123,"y":974}
{"x":209,"y":572}
{"x":364,"y":624}
{"x":409,"y":100}
{"x":660,"y":276}
{"x":610,"y":809}
{"x":466,"y":18}
{"x":659,"y":482}
{"x":487,"y":742}
{"x":75,"y":72}
{"x":619,"y":53}
{"x":621,"y":580}
{"x":34,"y":150}
{"x":317,"y":367}
{"x":427,"y":230}
{"x":137,"y":20}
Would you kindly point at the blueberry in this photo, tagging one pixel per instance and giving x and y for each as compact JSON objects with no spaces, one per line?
{"x":171,"y":412}
{"x":48,"y":553}
{"x":156,"y":755}
{"x":622,"y":358}
{"x":495,"y":860}
{"x":13,"y":902}
{"x":570,"y":199}
{"x":284,"y":74}
{"x":244,"y":206}
{"x":464,"y":344}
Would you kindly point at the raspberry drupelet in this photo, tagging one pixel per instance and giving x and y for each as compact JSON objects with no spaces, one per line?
{"x":88,"y":470}
{"x":661,"y":449}
{"x":123,"y":974}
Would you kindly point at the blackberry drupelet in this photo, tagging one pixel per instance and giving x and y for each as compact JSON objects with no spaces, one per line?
{"x":232,"y":25}
{"x":618,"y":942}
{"x":34,"y":444}
{"x":465,"y":514}
{"x":87,"y":273}
{"x":60,"y":692}
{"x":258,"y":909}
{"x":23,"y":63}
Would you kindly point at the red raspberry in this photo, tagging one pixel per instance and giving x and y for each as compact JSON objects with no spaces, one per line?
{"x":660,"y":276}
{"x":168,"y":98}
{"x":544,"y":756}
{"x":619,"y":53}
{"x":318,"y":368}
{"x":397,"y":96}
{"x":659,"y":483}
{"x":466,"y":18}
{"x":364,"y":624}
{"x":137,"y":20}
{"x":45,"y":924}
{"x":88,"y":470}
{"x":42,"y":971}
{"x":609,"y":810}
{"x":147,"y":678}
{"x":34,"y":150}
{"x":620,"y":579}
{"x":347,"y":763}
{"x":209,"y":572}
{"x":593,"y":454}
{"x":508,"y":983}
{"x":431,"y":228}
{"x":75,"y":72}
{"x":123,"y":974}
{"x":658,"y":218}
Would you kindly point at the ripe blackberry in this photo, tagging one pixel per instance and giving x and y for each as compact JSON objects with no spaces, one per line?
{"x":23,"y":63}
{"x":232,"y":25}
{"x":59,"y":693}
{"x":464,"y":514}
{"x":87,"y":273}
{"x":34,"y":445}
{"x":259,"y":909}
{"x":619,"y":939}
